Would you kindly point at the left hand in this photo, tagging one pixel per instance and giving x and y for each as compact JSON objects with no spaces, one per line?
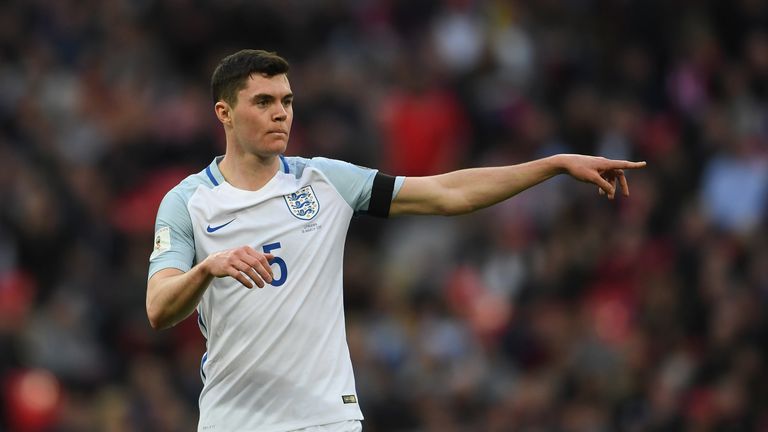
{"x":605,"y":173}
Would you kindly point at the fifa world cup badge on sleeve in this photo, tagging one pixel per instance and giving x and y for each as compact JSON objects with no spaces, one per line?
{"x":162,"y":242}
{"x":303,"y":203}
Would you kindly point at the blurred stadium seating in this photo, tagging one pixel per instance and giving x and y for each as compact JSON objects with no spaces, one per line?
{"x":555,"y":311}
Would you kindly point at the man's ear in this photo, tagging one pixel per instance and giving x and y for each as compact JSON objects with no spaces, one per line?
{"x":223,"y":112}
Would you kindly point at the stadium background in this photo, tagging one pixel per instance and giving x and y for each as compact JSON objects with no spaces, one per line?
{"x":557,"y":311}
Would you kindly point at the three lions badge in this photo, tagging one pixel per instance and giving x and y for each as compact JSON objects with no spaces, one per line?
{"x":303,"y":203}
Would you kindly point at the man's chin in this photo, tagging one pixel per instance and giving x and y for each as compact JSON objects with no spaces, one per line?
{"x":278,"y":141}
{"x":275,"y":146}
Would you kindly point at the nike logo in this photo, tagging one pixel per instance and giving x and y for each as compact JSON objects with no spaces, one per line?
{"x":211,"y":229}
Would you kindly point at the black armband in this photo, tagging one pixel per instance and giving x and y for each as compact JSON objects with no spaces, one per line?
{"x":381,"y":195}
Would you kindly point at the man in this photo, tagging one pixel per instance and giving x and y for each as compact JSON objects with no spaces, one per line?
{"x":277,"y":358}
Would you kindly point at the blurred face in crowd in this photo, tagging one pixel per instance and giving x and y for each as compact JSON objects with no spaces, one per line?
{"x":259,"y":123}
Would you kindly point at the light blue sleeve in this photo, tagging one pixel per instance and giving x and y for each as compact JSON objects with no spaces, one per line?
{"x":174,"y":242}
{"x":354,"y":183}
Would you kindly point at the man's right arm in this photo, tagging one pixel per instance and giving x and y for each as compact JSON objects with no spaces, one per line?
{"x":172,"y":294}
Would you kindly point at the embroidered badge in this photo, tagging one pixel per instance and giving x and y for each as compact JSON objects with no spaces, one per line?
{"x":303,"y":203}
{"x":162,"y":242}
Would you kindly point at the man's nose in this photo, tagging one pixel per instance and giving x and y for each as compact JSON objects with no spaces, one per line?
{"x":280,"y":113}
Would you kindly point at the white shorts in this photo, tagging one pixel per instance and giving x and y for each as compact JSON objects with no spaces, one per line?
{"x":344,"y":426}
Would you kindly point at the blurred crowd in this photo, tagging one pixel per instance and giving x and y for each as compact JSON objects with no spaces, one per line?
{"x":557,"y":310}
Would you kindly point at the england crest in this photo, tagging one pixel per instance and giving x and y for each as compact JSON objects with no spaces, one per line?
{"x":303,"y":203}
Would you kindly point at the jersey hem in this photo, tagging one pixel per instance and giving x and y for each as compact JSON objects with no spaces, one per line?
{"x":282,"y":427}
{"x":179,"y":265}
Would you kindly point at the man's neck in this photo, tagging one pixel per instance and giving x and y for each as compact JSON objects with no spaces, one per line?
{"x":248,"y":172}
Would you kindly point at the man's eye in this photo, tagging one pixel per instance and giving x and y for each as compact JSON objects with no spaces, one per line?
{"x":262,"y":103}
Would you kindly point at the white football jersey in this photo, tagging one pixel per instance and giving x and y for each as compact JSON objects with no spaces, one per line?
{"x":277,"y":358}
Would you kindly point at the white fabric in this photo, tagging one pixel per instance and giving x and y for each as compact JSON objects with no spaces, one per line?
{"x":277,"y":357}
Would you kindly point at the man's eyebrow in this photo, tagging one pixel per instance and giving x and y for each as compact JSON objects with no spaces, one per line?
{"x":269,"y":97}
{"x":262,"y":96}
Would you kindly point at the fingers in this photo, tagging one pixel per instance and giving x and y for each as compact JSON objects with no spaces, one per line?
{"x":240,"y":277}
{"x":245,"y":265}
{"x":251,"y":273}
{"x":256,"y":266}
{"x":624,"y":184}
{"x":610,"y":175}
{"x":612,"y":181}
{"x":260,"y":263}
{"x":604,"y":186}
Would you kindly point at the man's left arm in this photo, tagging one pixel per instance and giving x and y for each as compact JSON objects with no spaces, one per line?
{"x":467,"y":190}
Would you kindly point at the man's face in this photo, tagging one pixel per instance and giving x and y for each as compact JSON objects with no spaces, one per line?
{"x":262,"y":117}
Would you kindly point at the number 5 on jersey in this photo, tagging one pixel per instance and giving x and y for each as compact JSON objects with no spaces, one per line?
{"x":268,"y":248}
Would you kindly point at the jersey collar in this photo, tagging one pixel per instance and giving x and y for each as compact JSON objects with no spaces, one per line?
{"x":213,"y":172}
{"x":216,"y":177}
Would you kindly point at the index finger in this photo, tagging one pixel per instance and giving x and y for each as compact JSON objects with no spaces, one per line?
{"x":627,"y":164}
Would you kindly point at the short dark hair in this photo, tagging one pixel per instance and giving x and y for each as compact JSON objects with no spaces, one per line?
{"x":230,"y":75}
